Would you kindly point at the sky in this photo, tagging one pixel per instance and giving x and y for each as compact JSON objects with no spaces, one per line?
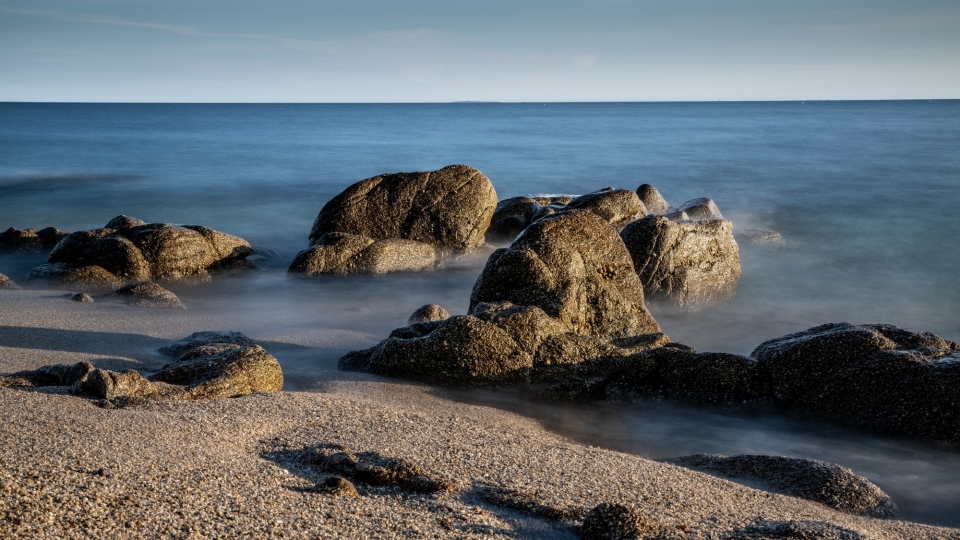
{"x":491,"y":50}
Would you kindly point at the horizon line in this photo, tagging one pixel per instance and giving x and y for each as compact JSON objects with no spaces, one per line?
{"x":468,"y":102}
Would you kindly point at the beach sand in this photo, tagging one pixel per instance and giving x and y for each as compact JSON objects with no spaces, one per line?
{"x":217,"y":469}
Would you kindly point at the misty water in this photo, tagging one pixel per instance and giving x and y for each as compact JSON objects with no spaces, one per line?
{"x":864,"y":193}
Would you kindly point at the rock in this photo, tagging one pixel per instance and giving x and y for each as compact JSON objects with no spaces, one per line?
{"x":81,"y":297}
{"x":825,"y":483}
{"x":712,"y":378}
{"x":19,"y":241}
{"x":266,"y":253}
{"x":428,"y":313}
{"x":220,"y":373}
{"x":374,"y":469}
{"x":148,"y":294}
{"x":56,"y":375}
{"x":793,"y":530}
{"x":338,"y":487}
{"x":611,"y":521}
{"x":105,"y":259}
{"x":332,"y":254}
{"x":759,"y":237}
{"x":677,"y":216}
{"x":565,"y":357}
{"x":122,"y":223}
{"x":687,"y":263}
{"x":652,"y":200}
{"x":341,"y":254}
{"x":109,"y":385}
{"x":206,"y":339}
{"x":701,"y":209}
{"x":618,"y":207}
{"x":511,"y":217}
{"x":574,"y":267}
{"x":874,"y":376}
{"x":449,"y":209}
{"x":7,"y":284}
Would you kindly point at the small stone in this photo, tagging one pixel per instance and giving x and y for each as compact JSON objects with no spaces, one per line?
{"x":338,"y":487}
{"x":82,"y":297}
{"x":610,"y":521}
{"x":428,"y":313}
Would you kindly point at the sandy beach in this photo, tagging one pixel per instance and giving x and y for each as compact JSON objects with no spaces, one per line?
{"x":217,"y":468}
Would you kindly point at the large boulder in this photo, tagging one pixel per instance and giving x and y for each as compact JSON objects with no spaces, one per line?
{"x":687,"y":263}
{"x":107,"y":258}
{"x":874,"y":376}
{"x":618,"y":207}
{"x":21,"y":241}
{"x":826,"y":483}
{"x":574,"y":267}
{"x":449,"y":208}
{"x":218,"y":372}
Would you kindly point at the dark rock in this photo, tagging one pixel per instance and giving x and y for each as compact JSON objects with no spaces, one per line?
{"x":652,"y":200}
{"x":793,"y":530}
{"x":428,"y":313}
{"x":341,"y":254}
{"x":825,"y":483}
{"x":610,"y":521}
{"x":374,"y":469}
{"x":758,"y":237}
{"x":148,"y":294}
{"x":56,"y":375}
{"x":565,"y":357}
{"x":266,"y":253}
{"x":122,"y":223}
{"x":110,"y":385}
{"x":713,"y":378}
{"x":574,"y":267}
{"x":701,"y":209}
{"x":105,"y":259}
{"x":82,"y":297}
{"x":877,"y":377}
{"x":688,"y":263}
{"x":618,"y":207}
{"x":20,"y":241}
{"x":529,"y":326}
{"x":223,"y":372}
{"x":529,"y":503}
{"x":208,"y":338}
{"x":338,"y":487}
{"x":511,"y":217}
{"x":449,"y":209}
{"x":7,"y":284}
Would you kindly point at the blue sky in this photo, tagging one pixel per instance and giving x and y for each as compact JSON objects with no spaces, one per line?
{"x":495,"y":50}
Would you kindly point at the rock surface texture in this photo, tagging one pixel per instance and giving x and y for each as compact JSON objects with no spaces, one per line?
{"x":653,"y":200}
{"x":701,"y":209}
{"x":688,"y":263}
{"x":825,"y":483}
{"x":428,"y":313}
{"x":611,"y":521}
{"x":618,"y":207}
{"x":873,"y":376}
{"x":7,"y":284}
{"x":148,"y":294}
{"x":400,"y":222}
{"x":19,"y":241}
{"x":105,"y":259}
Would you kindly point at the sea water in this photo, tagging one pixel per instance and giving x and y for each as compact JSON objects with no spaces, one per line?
{"x":865,"y":195}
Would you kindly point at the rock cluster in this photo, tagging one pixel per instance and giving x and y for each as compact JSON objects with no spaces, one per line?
{"x":130,"y":251}
{"x":210,"y":365}
{"x":825,"y":483}
{"x":20,"y":241}
{"x":399,"y":222}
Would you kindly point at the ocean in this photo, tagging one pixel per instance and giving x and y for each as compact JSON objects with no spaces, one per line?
{"x":865,"y":195}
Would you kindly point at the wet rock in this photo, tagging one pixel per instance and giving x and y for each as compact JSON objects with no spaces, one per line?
{"x":574,"y":267}
{"x":825,"y":483}
{"x":7,"y":284}
{"x":701,"y":209}
{"x":338,"y":487}
{"x":222,"y":372}
{"x":105,"y":259}
{"x":511,"y":217}
{"x":56,"y":375}
{"x":428,"y":313}
{"x":712,"y":378}
{"x":207,"y":338}
{"x":82,"y":297}
{"x":687,"y":263}
{"x":610,"y":521}
{"x":374,"y":469}
{"x":618,"y":207}
{"x":449,"y":209}
{"x":793,"y":530}
{"x":122,"y":223}
{"x":22,"y":241}
{"x":652,"y":200}
{"x":340,"y":254}
{"x":758,"y":237}
{"x":874,"y":376}
{"x":529,"y":503}
{"x":148,"y":294}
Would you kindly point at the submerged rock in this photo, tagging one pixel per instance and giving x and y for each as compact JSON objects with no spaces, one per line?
{"x":652,"y":200}
{"x":759,"y":237}
{"x":105,"y":259}
{"x":701,"y":209}
{"x":826,"y":483}
{"x":687,"y":263}
{"x":874,"y":376}
{"x":21,"y":241}
{"x":7,"y":284}
{"x":574,"y":267}
{"x":148,"y":294}
{"x":428,"y":313}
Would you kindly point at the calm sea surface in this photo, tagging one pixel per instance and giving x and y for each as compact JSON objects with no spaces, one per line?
{"x":866,"y":195}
